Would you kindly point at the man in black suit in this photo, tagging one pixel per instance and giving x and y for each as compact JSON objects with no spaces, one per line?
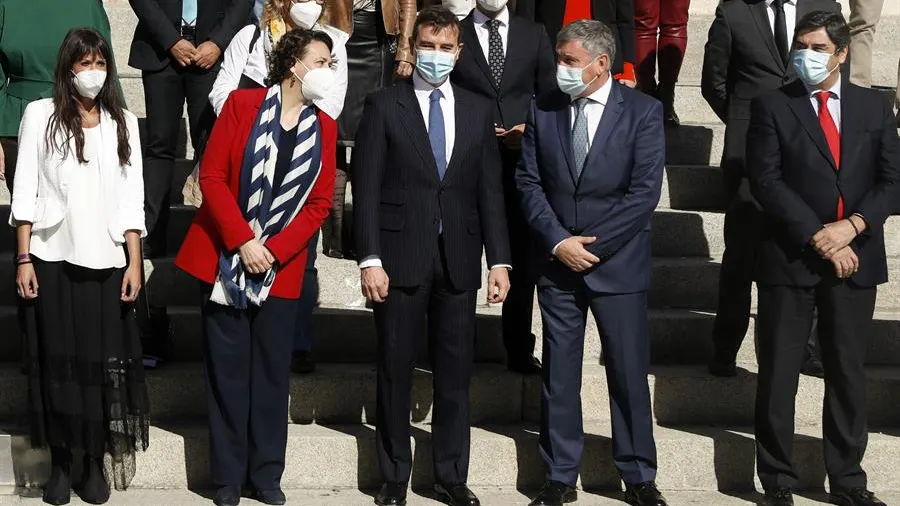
{"x":824,"y":163}
{"x":590,"y":179}
{"x":508,"y":60}
{"x":178,"y":46}
{"x":747,"y":54}
{"x":428,"y":197}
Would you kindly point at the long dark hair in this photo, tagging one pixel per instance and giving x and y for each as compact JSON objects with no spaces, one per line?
{"x":65,"y":123}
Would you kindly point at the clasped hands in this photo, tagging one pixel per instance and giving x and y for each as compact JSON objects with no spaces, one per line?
{"x":574,"y":255}
{"x":375,"y":284}
{"x":833,"y":244}
{"x":204,"y":56}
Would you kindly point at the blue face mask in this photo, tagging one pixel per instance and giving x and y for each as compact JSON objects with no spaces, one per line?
{"x":434,"y":66}
{"x":570,"y":81}
{"x":812,"y":66}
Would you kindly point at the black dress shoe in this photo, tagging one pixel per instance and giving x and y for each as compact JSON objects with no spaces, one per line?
{"x":555,"y":493}
{"x":723,"y":369}
{"x":856,"y":497}
{"x":302,"y":363}
{"x":391,"y":494}
{"x":778,"y":497}
{"x":58,"y":489}
{"x":228,"y":496}
{"x":273,"y":496}
{"x":644,"y":494}
{"x":457,"y":495}
{"x":529,"y":366}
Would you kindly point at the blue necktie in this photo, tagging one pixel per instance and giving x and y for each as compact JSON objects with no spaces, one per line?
{"x":189,"y":12}
{"x":436,"y":133}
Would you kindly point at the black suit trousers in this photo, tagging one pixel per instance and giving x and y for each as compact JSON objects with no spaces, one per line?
{"x":247,"y":358}
{"x":165,"y":93}
{"x":844,"y":323}
{"x":399,"y":321}
{"x":625,"y":338}
{"x":519,"y":304}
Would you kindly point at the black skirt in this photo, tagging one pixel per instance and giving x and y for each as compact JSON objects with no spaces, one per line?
{"x":86,"y":389}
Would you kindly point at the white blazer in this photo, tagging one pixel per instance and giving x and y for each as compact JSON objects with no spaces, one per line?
{"x":41,"y":185}
{"x":239,"y":61}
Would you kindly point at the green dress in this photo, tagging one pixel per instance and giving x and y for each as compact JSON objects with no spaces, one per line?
{"x":31,"y":32}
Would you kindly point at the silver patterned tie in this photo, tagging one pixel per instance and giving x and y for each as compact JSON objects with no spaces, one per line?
{"x":580,"y":135}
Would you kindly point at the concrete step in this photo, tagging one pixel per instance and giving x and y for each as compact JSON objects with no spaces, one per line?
{"x":345,"y":393}
{"x":487,"y":495}
{"x":691,"y":459}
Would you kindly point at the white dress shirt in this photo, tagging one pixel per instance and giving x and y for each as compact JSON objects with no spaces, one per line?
{"x":834,"y":103}
{"x":596,"y":104}
{"x":790,"y":17}
{"x":79,"y":212}
{"x":238,"y":62}
{"x":483,"y":34}
{"x":422,"y":90}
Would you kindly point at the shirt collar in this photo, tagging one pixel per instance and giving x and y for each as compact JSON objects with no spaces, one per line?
{"x":423,"y":87}
{"x":479,"y":18}
{"x":601,"y":96}
{"x":786,"y":2}
{"x":835,"y":89}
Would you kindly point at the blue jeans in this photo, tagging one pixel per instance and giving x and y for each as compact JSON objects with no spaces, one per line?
{"x":309,"y":296}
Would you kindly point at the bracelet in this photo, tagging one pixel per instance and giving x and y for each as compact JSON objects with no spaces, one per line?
{"x":855,"y":228}
{"x":24,"y":262}
{"x":23,"y":256}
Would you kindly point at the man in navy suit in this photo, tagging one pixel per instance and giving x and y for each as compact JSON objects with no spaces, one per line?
{"x":590,"y":178}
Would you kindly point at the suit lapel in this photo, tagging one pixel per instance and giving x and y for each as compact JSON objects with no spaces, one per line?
{"x":852,"y":124}
{"x":802,"y":108}
{"x":470,"y":39}
{"x":463,"y":133}
{"x":414,"y":124}
{"x":760,"y":12}
{"x":608,"y":122}
{"x":516,"y":37}
{"x":564,"y":128}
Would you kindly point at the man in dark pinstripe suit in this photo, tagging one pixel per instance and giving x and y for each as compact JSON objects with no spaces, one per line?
{"x":428,"y":198}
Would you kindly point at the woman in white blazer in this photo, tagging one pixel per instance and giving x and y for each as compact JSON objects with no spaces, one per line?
{"x":77,"y":207}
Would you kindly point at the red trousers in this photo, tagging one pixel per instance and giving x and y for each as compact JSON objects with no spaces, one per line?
{"x":661,"y":38}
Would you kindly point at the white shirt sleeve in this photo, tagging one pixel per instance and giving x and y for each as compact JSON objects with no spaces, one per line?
{"x":236,"y":55}
{"x":130,"y":215}
{"x":370,"y":261}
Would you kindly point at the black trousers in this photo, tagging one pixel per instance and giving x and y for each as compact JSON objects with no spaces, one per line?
{"x":519,"y":305}
{"x":399,"y":321}
{"x":11,"y":154}
{"x":744,"y":223}
{"x":845,"y":321}
{"x":625,"y":338}
{"x":247,"y":357}
{"x":165,"y":93}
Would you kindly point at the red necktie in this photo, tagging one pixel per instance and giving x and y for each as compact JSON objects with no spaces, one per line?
{"x":577,"y":9}
{"x":833,"y":138}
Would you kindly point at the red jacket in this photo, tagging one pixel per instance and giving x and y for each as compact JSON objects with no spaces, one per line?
{"x":219,"y":223}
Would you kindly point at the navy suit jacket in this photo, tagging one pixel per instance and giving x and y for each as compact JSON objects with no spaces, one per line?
{"x":614,"y":198}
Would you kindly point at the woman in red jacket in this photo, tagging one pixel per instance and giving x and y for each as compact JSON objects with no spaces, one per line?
{"x":267,"y":179}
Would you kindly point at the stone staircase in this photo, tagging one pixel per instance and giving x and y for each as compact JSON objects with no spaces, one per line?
{"x":704,"y":424}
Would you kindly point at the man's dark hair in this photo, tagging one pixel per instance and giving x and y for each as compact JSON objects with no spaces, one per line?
{"x":833,"y":22}
{"x":292,"y":47}
{"x":438,"y":18}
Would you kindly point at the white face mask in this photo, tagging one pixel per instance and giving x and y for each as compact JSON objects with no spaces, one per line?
{"x":305,"y":14}
{"x":492,"y":5}
{"x":88,"y":83}
{"x":317,"y":82}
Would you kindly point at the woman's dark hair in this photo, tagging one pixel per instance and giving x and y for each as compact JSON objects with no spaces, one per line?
{"x":290,"y":48}
{"x":65,"y":123}
{"x":833,"y":22}
{"x":438,"y":18}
